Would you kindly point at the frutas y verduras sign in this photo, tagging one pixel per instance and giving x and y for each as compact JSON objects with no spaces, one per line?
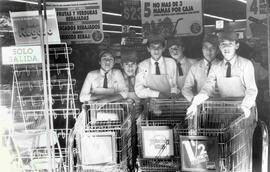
{"x":79,"y":21}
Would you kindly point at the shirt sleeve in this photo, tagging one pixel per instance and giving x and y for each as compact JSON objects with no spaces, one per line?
{"x":250,"y":84}
{"x":121,"y":86}
{"x":189,"y":85}
{"x":85,"y":94}
{"x":140,"y":85}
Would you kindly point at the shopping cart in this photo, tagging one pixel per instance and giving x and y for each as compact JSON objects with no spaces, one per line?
{"x":156,"y":145}
{"x":221,"y":140}
{"x":37,"y":151}
{"x":103,"y":138}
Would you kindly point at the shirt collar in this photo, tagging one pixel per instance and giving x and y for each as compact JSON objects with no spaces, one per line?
{"x":232,"y":61}
{"x":182,"y":61}
{"x":206,"y":62}
{"x":102,"y":72}
{"x":160,"y":61}
{"x":126,"y":76}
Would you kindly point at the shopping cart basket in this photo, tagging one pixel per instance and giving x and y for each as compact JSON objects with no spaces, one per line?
{"x":103,"y":140}
{"x":222,"y":140}
{"x":156,"y":144}
{"x":33,"y":152}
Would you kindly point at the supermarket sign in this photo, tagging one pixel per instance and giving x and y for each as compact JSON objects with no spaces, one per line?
{"x":26,"y":27}
{"x":21,"y":55}
{"x":172,"y":17}
{"x":79,"y":21}
{"x":199,"y":153}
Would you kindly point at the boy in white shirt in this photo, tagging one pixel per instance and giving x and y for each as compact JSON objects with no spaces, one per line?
{"x":156,"y":77}
{"x":234,"y":77}
{"x":106,"y":84}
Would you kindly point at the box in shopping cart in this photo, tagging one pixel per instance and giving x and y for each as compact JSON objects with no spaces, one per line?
{"x":157,"y":142}
{"x":104,"y":144}
{"x":199,"y":153}
{"x":157,"y":149}
{"x":225,"y":122}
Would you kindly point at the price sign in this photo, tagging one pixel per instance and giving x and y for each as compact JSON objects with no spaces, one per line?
{"x":131,"y":12}
{"x":199,"y":153}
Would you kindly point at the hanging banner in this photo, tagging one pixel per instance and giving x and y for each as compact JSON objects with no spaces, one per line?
{"x":257,"y":18}
{"x":26,"y":27}
{"x":131,"y":12}
{"x":80,"y":21}
{"x":171,"y":17}
{"x":21,"y":55}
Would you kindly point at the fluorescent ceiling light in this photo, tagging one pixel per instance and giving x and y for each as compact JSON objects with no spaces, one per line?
{"x":217,"y":17}
{"x":137,"y":27}
{"x":112,"y":14}
{"x":26,"y":1}
{"x":111,"y":31}
{"x":243,"y":1}
{"x":240,"y":20}
{"x":210,"y":25}
{"x":111,"y":24}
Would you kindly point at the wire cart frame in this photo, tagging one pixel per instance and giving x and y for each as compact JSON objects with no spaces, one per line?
{"x":219,"y":119}
{"x":110,"y":120}
{"x":160,"y":113}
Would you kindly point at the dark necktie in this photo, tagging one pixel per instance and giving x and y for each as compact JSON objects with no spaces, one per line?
{"x":228,"y":73}
{"x":105,"y":82}
{"x":157,"y":69}
{"x":130,"y":84}
{"x":180,"y":71}
{"x":209,"y":67}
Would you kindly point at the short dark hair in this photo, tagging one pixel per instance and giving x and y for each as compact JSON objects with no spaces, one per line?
{"x":106,"y":51}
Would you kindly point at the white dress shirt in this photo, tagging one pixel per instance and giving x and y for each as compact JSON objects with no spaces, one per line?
{"x":95,"y":79}
{"x":240,"y":67}
{"x":196,"y":78}
{"x":186,"y":64}
{"x":166,"y":66}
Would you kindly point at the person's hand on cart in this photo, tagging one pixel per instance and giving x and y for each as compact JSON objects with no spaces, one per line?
{"x":246,"y":111}
{"x":191,"y":111}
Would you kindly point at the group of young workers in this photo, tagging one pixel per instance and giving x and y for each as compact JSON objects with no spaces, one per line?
{"x":176,"y":76}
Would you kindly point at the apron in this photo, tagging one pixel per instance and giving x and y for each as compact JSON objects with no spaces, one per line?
{"x":158,"y":82}
{"x":230,"y":87}
{"x":181,"y":81}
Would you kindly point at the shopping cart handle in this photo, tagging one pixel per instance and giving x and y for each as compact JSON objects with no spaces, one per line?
{"x":265,"y":142}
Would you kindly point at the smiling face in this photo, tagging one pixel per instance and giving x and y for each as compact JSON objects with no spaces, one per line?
{"x":228,"y":49}
{"x":106,"y":62}
{"x":209,"y":51}
{"x":176,"y":51}
{"x":129,"y":68}
{"x":156,"y":50}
